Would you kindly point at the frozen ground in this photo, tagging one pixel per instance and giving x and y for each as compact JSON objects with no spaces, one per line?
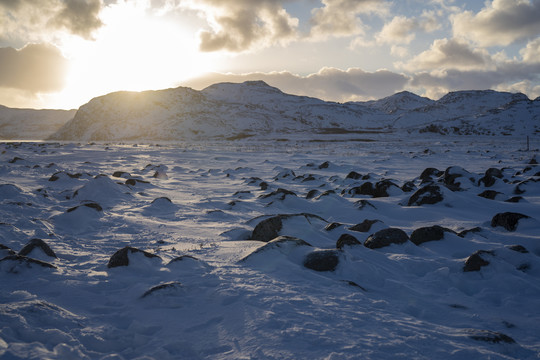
{"x":238,"y":298}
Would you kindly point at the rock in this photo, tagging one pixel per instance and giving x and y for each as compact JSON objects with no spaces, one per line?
{"x":515,"y":199}
{"x":121,"y":174}
{"x":476,"y":261}
{"x":332,"y":226}
{"x":39,"y":244}
{"x":182,"y":258}
{"x":408,"y":186}
{"x":468,"y":231}
{"x":133,"y":182}
{"x":490,"y":177}
{"x":165,"y":286}
{"x":490,"y":336}
{"x":347,"y":240}
{"x":518,"y":248}
{"x":283,"y":244}
{"x":267,"y":229}
{"x":427,"y":195}
{"x":5,"y":251}
{"x":451,"y":174}
{"x":353,"y":175}
{"x":364,"y":226}
{"x":360,"y":204}
{"x":56,"y":176}
{"x":161,"y":199}
{"x":120,"y":258}
{"x":19,"y":260}
{"x":497,"y":173}
{"x":280,"y":193}
{"x":364,"y":189}
{"x":91,"y":205}
{"x":386,"y":237}
{"x":429,"y":173}
{"x":429,"y":233}
{"x":324,"y":165}
{"x":508,"y":220}
{"x":382,"y":187}
{"x":312,"y":193}
{"x":489,"y":194}
{"x":263,"y":185}
{"x":322,"y":260}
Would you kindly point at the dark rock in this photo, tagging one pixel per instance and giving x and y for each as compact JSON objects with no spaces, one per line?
{"x":5,"y":250}
{"x":533,"y":161}
{"x":364,"y":189}
{"x":508,"y":220}
{"x":120,"y":174}
{"x":324,"y":165}
{"x":23,"y":260}
{"x":353,"y":175}
{"x":309,"y":178}
{"x":281,"y":243}
{"x":267,"y":229}
{"x":182,"y":258}
{"x":476,"y":261}
{"x":39,"y":244}
{"x":133,"y":182}
{"x":120,"y":258}
{"x":347,"y":240}
{"x":382,"y":187}
{"x":164,"y":286}
{"x":489,"y":194}
{"x":430,"y":173}
{"x":56,"y":176}
{"x":518,"y":248}
{"x":280,"y":193}
{"x":487,"y":181}
{"x":352,"y":283}
{"x":312,"y":193}
{"x":494,"y":172}
{"x":490,"y":336}
{"x":408,"y":187}
{"x":322,"y":260}
{"x":364,"y":226}
{"x":332,"y":226}
{"x":360,"y":204}
{"x":427,"y":195}
{"x":263,"y":185}
{"x":163,"y":198}
{"x":429,"y":233}
{"x":468,"y":231}
{"x":15,"y":159}
{"x":514,"y":199}
{"x":386,"y":237}
{"x":91,"y":205}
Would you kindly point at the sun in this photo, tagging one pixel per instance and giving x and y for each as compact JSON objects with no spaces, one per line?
{"x":134,"y":50}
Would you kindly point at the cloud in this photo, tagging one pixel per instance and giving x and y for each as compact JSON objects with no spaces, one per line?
{"x":328,"y":83}
{"x":500,"y":22}
{"x":450,"y":54}
{"x":531,"y":53}
{"x":340,"y":17}
{"x":35,"y":68}
{"x":242,"y":25}
{"x":402,"y":30}
{"x":29,"y":19}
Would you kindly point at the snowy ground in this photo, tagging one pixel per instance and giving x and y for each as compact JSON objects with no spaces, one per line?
{"x":227,"y":301}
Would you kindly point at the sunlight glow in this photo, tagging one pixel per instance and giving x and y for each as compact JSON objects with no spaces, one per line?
{"x":135,"y":50}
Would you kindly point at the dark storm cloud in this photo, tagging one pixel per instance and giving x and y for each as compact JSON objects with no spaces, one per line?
{"x":35,"y":68}
{"x":80,"y":17}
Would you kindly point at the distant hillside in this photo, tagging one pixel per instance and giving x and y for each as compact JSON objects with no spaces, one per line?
{"x":28,"y":124}
{"x":255,"y":109}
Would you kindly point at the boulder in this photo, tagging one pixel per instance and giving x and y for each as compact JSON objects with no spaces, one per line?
{"x":37,"y":244}
{"x":322,"y":260}
{"x":386,"y":237}
{"x":508,"y":220}
{"x":429,"y":233}
{"x":476,"y":261}
{"x":490,"y":336}
{"x":427,"y":195}
{"x":347,"y":240}
{"x":519,"y":249}
{"x":267,"y":229}
{"x":173,"y":285}
{"x":279,"y":193}
{"x":121,"y":257}
{"x":489,"y":194}
{"x":13,"y":263}
{"x":382,"y":187}
{"x":91,"y":205}
{"x":332,"y":226}
{"x":364,"y":226}
{"x":366,"y":188}
{"x":353,"y":175}
{"x":429,"y":173}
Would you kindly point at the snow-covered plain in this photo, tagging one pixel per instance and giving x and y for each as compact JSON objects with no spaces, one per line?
{"x":214,"y":292}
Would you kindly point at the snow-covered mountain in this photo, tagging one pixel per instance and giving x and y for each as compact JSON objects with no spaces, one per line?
{"x":253,"y":108}
{"x":29,"y":124}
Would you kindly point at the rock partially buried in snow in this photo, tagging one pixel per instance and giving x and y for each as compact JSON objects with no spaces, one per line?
{"x":476,"y":261}
{"x":365,"y":225}
{"x":428,"y":195}
{"x":386,"y":237}
{"x":15,"y":263}
{"x":37,"y":244}
{"x":429,"y":233}
{"x":508,"y":220}
{"x":121,"y":257}
{"x":283,"y":244}
{"x":269,"y":229}
{"x":91,"y":205}
{"x":322,"y":260}
{"x":163,"y":288}
{"x":490,"y":336}
{"x":347,"y":240}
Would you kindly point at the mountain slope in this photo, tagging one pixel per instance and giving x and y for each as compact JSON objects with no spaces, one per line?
{"x":253,"y":108}
{"x":29,"y":124}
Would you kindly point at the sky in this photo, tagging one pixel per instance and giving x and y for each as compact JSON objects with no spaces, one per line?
{"x":62,"y":53}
